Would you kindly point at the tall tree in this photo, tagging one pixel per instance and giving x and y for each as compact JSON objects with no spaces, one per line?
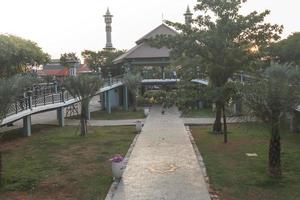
{"x":83,"y":87}
{"x":102,"y":60}
{"x":269,"y":97}
{"x":133,"y":82}
{"x":287,"y":50}
{"x":222,"y":42}
{"x":19,"y":55}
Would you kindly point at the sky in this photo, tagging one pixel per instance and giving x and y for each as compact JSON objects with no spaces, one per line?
{"x":60,"y":26}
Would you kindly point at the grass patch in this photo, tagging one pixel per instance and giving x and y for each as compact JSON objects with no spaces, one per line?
{"x":56,"y":163}
{"x":204,"y":112}
{"x":116,"y":114}
{"x":239,"y":177}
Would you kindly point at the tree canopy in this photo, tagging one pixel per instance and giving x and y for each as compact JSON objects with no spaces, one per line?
{"x":287,"y":50}
{"x":18,"y":55}
{"x":69,"y":60}
{"x":222,"y":42}
{"x":84,"y":87}
{"x":102,"y":60}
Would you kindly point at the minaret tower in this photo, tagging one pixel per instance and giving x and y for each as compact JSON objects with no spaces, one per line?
{"x":108,"y":20}
{"x":188,"y":17}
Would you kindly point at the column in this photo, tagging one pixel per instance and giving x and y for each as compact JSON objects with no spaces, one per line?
{"x":27,"y":125}
{"x":125,"y":98}
{"x":163,"y":76}
{"x":108,"y":103}
{"x":61,"y":116}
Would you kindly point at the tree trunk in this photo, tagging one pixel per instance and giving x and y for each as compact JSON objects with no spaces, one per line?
{"x":217,"y":127}
{"x":275,"y":149}
{"x":83,"y":126}
{"x":83,"y":118}
{"x":225,"y":125}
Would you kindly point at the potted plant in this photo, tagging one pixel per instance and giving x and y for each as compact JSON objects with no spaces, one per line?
{"x":146,"y":111}
{"x":117,"y":166}
{"x":138,"y":126}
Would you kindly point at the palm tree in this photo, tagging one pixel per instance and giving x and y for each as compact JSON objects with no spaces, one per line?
{"x":83,"y":87}
{"x":133,"y":82}
{"x":269,"y":97}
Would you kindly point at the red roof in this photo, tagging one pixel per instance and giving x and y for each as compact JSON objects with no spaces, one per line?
{"x":54,"y":72}
{"x":64,"y":72}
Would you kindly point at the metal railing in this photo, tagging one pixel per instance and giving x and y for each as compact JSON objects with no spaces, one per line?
{"x":36,"y":98}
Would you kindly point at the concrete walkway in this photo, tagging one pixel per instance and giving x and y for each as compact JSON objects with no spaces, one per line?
{"x":163,"y":164}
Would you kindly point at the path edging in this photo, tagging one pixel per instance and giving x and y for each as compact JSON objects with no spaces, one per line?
{"x":212,"y":193}
{"x":114,"y":185}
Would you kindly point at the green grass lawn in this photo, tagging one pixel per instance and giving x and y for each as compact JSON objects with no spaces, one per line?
{"x":56,"y":163}
{"x":239,"y":177}
{"x":205,"y":112}
{"x":116,"y":114}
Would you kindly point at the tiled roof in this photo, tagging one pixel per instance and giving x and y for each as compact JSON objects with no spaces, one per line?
{"x":144,"y":50}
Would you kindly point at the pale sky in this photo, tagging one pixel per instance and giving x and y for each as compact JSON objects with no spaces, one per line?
{"x":60,"y":26}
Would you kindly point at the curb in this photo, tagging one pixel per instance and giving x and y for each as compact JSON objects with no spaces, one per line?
{"x":213,"y":194}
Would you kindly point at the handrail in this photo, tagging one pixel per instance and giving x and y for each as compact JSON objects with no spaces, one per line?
{"x":44,"y":97}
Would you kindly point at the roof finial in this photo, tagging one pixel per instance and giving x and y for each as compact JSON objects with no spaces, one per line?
{"x":188,"y":10}
{"x":188,"y":16}
{"x":107,"y":12}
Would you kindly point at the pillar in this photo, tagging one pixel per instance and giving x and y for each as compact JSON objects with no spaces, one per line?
{"x":125,"y":98}
{"x":237,"y":107}
{"x":163,"y":76}
{"x":108,"y":103}
{"x":61,"y":116}
{"x":27,"y":125}
{"x":200,"y":105}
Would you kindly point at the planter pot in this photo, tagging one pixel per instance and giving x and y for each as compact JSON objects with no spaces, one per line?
{"x":138,"y":126}
{"x":117,"y":169}
{"x":146,"y":111}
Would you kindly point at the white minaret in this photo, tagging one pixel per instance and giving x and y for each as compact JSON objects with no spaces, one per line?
{"x":188,"y":17}
{"x":108,"y":20}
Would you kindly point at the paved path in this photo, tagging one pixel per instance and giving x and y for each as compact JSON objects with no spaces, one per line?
{"x":163,"y":164}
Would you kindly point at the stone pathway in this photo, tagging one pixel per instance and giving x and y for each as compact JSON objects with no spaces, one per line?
{"x":163,"y":164}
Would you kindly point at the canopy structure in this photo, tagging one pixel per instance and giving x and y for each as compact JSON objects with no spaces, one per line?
{"x":145,"y":55}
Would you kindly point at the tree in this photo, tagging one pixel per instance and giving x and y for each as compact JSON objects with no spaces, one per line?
{"x":133,"y":82}
{"x":7,"y":96}
{"x":69,"y":60}
{"x":83,"y":87}
{"x":18,"y":55}
{"x":287,"y":50}
{"x":269,"y":97}
{"x":10,"y":90}
{"x":221,"y":42}
{"x":102,"y":60}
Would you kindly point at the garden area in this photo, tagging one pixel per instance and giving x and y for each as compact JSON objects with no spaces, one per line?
{"x":237,"y":176}
{"x":56,"y":163}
